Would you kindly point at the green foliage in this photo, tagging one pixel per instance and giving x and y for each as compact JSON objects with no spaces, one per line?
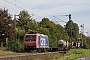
{"x":54,"y":31}
{"x":88,"y":42}
{"x":75,"y":53}
{"x":11,"y":44}
{"x":62,"y":33}
{"x":25,"y":24}
{"x":72,"y":30}
{"x":24,"y":21}
{"x":20,"y":33}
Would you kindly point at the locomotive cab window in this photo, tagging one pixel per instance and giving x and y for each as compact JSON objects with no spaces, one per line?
{"x":30,"y":38}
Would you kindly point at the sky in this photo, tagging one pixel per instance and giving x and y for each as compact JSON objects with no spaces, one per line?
{"x":38,"y":9}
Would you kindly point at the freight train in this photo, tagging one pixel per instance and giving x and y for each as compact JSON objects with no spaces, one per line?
{"x":40,"y":42}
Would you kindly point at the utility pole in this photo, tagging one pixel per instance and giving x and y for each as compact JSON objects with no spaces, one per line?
{"x":87,"y":39}
{"x":15,"y":27}
{"x":82,"y":31}
{"x":70,"y":27}
{"x":15,"y":34}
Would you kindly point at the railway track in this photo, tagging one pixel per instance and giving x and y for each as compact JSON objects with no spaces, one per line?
{"x":28,"y":56}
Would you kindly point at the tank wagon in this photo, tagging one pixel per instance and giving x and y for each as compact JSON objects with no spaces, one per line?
{"x":63,"y":45}
{"x":40,"y":42}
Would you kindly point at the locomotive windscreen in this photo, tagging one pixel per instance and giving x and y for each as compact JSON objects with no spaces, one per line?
{"x":30,"y":38}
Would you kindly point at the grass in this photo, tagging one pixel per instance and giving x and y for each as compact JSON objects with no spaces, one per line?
{"x":74,"y":53}
{"x":70,"y":55}
{"x":6,"y":52}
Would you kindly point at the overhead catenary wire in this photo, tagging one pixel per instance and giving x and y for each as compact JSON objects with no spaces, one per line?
{"x":59,"y":19}
{"x":24,"y":4}
{"x":14,"y":4}
{"x":3,"y":7}
{"x":21,"y":8}
{"x":32,"y":9}
{"x":24,"y":9}
{"x":18,"y":7}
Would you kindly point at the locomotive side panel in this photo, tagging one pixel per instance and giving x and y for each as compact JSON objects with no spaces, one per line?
{"x":43,"y":41}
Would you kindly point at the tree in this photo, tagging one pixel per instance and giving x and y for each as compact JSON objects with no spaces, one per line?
{"x":48,"y":29}
{"x":6,"y":26}
{"x":54,"y":31}
{"x":25,"y":23}
{"x":62,"y":34}
{"x":72,"y":30}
